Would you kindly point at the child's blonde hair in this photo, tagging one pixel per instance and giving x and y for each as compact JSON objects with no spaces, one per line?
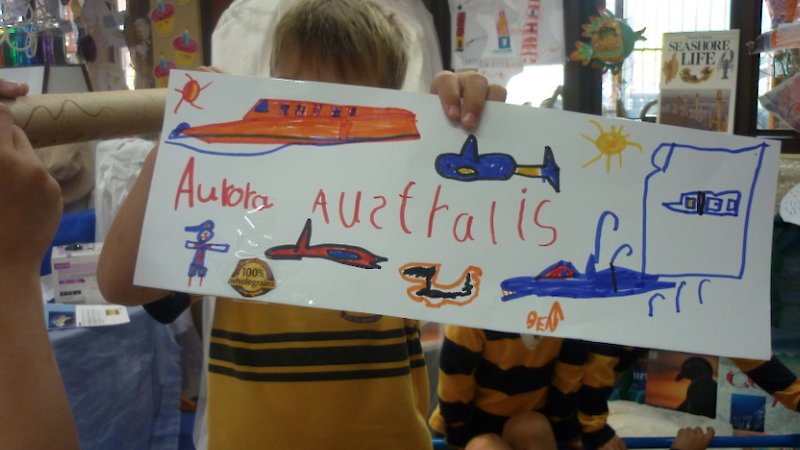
{"x":358,"y":35}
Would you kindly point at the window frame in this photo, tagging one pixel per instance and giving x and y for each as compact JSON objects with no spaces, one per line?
{"x":583,"y":84}
{"x":747,"y":18}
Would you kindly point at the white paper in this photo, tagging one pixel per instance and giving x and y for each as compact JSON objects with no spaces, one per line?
{"x":650,"y":270}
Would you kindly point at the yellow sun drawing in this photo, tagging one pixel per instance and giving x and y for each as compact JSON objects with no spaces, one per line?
{"x":610,"y":143}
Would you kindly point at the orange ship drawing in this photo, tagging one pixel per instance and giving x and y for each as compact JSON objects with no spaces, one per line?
{"x":290,"y":122}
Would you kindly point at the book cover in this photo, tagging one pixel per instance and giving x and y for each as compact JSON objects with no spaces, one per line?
{"x":682,"y":381}
{"x":698,"y":80}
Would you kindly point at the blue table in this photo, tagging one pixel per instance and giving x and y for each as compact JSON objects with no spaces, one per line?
{"x":123,"y":383}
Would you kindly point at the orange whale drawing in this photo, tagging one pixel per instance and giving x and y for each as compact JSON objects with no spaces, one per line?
{"x":425,"y":288}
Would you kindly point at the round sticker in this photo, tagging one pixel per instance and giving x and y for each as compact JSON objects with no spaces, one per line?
{"x":252,"y":277}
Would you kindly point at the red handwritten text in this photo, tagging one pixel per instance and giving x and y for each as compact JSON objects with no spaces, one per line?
{"x":231,"y":196}
{"x":442,"y":215}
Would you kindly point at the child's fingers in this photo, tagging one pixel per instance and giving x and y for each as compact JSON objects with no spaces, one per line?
{"x":497,"y":93}
{"x":619,"y":444}
{"x":576,"y":445}
{"x":448,"y":87}
{"x":463,"y":95}
{"x":48,"y":191}
{"x":210,"y":69}
{"x":24,"y":166}
{"x":23,"y":147}
{"x":6,"y":128}
{"x":12,"y":89}
{"x":476,"y":89}
{"x":708,"y":436}
{"x":615,"y":443}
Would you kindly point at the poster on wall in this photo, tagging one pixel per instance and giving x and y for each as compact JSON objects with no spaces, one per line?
{"x":545,"y":222}
{"x":698,"y":80}
{"x":499,"y":37}
{"x":177,"y":38}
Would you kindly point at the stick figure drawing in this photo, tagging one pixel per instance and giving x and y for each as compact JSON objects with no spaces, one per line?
{"x":205,"y":232}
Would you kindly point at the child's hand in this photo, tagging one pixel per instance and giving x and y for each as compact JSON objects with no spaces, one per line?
{"x":12,"y":89}
{"x":463,"y":95}
{"x":575,"y":445}
{"x":210,"y":69}
{"x":693,"y":439}
{"x":30,"y":199}
{"x":615,"y":443}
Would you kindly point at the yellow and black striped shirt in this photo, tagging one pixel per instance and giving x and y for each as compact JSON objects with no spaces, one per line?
{"x":583,"y":378}
{"x":773,"y":377}
{"x":284,"y":376}
{"x":485,"y":377}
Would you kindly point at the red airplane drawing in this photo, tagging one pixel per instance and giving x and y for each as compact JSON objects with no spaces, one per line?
{"x":340,"y":253}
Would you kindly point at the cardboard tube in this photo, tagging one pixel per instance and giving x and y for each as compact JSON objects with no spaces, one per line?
{"x":55,"y":119}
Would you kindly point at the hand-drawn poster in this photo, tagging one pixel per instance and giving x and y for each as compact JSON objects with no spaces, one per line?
{"x":540,"y":221}
{"x":698,"y":80}
{"x":499,"y":37}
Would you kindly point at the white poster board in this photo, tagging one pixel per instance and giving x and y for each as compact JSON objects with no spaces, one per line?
{"x":542,"y":221}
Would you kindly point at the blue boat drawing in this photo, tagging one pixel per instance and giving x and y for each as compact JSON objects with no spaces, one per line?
{"x":562,"y":279}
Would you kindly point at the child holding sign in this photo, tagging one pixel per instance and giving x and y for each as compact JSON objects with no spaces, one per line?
{"x":293,"y":377}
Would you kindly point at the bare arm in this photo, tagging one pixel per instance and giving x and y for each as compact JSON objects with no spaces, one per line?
{"x":118,"y":258}
{"x":34,"y":412}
